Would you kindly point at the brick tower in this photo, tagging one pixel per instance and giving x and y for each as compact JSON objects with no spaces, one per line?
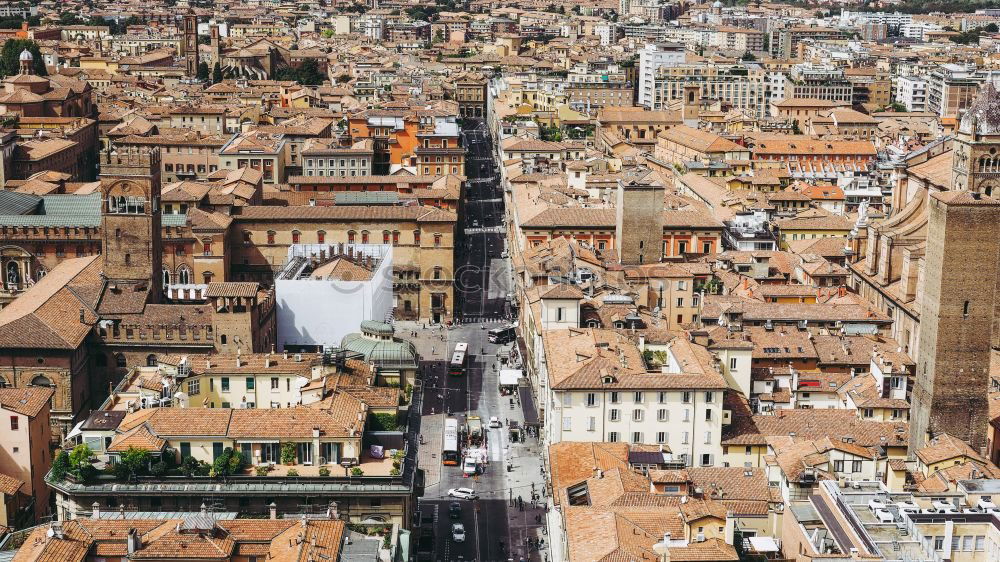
{"x":962,"y":264}
{"x":639,"y":222}
{"x":189,"y":44}
{"x":130,"y":218}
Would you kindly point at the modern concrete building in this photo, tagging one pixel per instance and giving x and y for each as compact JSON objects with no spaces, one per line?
{"x":652,"y":58}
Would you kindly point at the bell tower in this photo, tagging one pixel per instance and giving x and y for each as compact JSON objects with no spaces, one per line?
{"x":976,"y":164}
{"x":130,"y":217}
{"x":189,"y":44}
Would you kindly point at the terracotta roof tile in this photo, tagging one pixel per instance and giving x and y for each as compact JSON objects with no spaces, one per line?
{"x":9,"y":485}
{"x":27,"y":401}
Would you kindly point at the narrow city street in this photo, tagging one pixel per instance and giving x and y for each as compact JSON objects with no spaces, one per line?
{"x":501,"y":522}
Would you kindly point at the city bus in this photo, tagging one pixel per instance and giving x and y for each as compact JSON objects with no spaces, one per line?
{"x":450,"y":454}
{"x":457,"y":365}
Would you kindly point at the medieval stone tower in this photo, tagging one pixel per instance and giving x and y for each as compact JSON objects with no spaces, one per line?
{"x":215,"y":43}
{"x":639,"y":222}
{"x":189,"y":44}
{"x":130,"y":218}
{"x":976,"y":164}
{"x":962,"y":264}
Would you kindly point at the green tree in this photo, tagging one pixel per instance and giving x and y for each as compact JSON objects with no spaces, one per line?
{"x":132,"y":463}
{"x":80,"y":456}
{"x":288,"y":452}
{"x":80,"y":463}
{"x":191,"y":466}
{"x":159,"y":469}
{"x":60,"y":466}
{"x":70,"y":18}
{"x":383,"y":421}
{"x":203,"y":71}
{"x":228,"y":463}
{"x":10,"y":57}
{"x":991,"y":28}
{"x":216,"y":74}
{"x":309,"y":74}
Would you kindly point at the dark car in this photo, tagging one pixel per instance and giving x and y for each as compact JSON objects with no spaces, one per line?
{"x":455,"y":510}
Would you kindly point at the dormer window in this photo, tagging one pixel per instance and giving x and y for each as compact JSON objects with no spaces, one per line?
{"x":607,"y":379}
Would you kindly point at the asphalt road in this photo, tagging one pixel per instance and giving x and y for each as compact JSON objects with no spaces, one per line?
{"x":481,"y":288}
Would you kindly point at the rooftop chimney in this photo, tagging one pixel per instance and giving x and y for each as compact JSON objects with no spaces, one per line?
{"x":273,"y":509}
{"x":133,"y":543}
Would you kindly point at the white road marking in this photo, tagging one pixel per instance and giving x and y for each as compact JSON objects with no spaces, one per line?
{"x":495,"y":437}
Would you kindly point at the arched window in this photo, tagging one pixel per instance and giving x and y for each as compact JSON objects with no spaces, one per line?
{"x":416,"y":237}
{"x":150,"y":360}
{"x":350,"y":236}
{"x":222,"y":339}
{"x":120,"y":360}
{"x":112,"y":204}
{"x":13,"y":276}
{"x":183,"y":275}
{"x":385,"y":236}
{"x":166,"y":278}
{"x":965,"y":309}
{"x":296,"y":236}
{"x":364,"y":236}
{"x":270,"y":237}
{"x":321,"y":237}
{"x":41,"y":380}
{"x":207,"y":276}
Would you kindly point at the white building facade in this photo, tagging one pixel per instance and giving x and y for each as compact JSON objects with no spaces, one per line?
{"x":653,"y":57}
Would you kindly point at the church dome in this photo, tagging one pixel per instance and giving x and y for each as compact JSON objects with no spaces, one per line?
{"x":26,"y":56}
{"x":983,"y":117}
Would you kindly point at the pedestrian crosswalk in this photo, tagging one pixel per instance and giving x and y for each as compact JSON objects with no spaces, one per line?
{"x":473,"y":319}
{"x":484,"y":230}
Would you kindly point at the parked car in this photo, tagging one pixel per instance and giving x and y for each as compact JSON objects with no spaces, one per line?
{"x":458,"y":532}
{"x":462,"y":493}
{"x":470,"y":466}
{"x":455,"y":510}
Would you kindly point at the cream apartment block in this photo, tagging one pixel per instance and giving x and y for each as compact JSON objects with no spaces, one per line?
{"x":322,"y":159}
{"x":744,"y":86}
{"x":596,"y":386}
